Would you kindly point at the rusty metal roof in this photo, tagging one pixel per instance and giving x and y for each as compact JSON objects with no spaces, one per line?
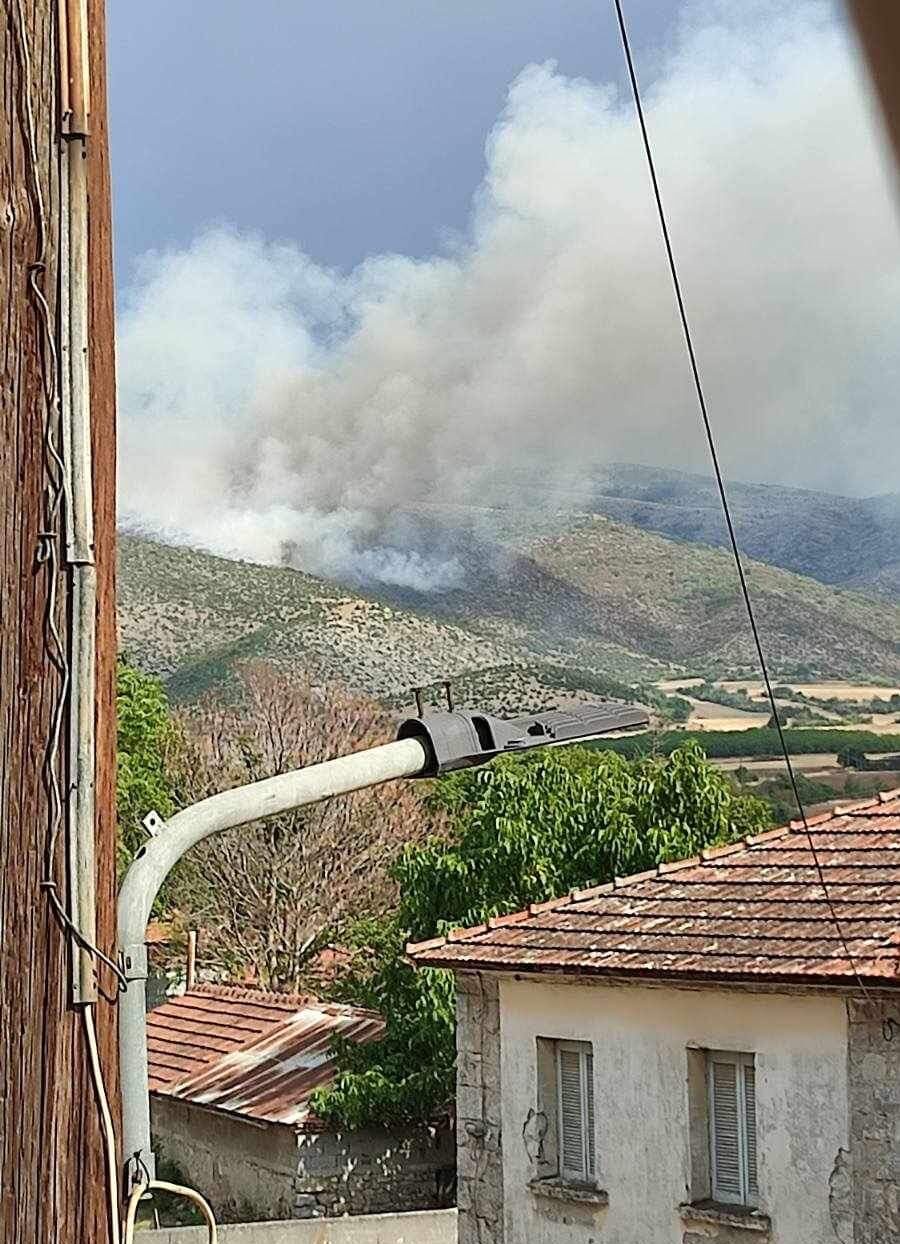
{"x":248,"y":1052}
{"x":753,"y":911}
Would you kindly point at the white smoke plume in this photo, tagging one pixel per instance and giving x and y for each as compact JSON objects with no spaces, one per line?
{"x":275,"y":409}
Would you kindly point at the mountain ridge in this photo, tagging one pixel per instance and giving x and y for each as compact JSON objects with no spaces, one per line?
{"x":575,"y":605}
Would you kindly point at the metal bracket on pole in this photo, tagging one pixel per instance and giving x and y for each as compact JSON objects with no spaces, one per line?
{"x":462,"y":740}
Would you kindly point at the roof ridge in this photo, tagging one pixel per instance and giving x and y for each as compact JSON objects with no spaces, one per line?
{"x":857,"y":805}
{"x":287,"y":1002}
{"x":247,"y":993}
{"x":871,"y":802}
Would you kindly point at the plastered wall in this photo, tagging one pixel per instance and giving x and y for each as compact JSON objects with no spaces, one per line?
{"x":641,"y":1038}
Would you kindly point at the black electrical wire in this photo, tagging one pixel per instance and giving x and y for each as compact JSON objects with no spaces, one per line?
{"x":720,"y":481}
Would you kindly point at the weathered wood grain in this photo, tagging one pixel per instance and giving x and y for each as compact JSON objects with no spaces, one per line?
{"x":51,"y":1169}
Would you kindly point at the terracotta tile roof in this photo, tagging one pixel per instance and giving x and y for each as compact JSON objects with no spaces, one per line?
{"x":248,"y":1052}
{"x":752,"y":911}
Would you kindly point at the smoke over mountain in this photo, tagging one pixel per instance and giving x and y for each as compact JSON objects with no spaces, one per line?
{"x":273,"y":409}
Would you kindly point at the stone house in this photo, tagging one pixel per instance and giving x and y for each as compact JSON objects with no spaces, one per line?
{"x":231,"y":1074}
{"x":693,"y":1055}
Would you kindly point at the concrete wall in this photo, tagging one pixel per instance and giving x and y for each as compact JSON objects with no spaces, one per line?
{"x":435,"y":1227}
{"x":243,"y":1170}
{"x":641,"y":1039}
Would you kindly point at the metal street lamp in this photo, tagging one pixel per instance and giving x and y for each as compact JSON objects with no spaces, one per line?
{"x":425,"y":747}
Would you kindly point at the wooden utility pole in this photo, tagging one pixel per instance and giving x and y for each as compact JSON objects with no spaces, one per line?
{"x":52,"y":1172}
{"x":878,"y":24}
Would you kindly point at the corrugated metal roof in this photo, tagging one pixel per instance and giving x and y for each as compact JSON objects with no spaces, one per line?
{"x":753,"y":911}
{"x":248,"y":1052}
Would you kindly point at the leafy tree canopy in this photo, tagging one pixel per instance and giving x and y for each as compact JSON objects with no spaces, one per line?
{"x":525,"y":829}
{"x":146,"y":736}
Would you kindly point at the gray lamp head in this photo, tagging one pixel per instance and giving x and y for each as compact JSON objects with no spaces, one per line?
{"x":463,"y":740}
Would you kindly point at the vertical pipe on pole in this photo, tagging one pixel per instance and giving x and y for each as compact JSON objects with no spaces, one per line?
{"x":78,"y":62}
{"x":76,"y":422}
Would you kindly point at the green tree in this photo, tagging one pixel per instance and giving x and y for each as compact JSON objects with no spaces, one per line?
{"x":851,"y":758}
{"x":146,"y":739}
{"x":526,"y":829}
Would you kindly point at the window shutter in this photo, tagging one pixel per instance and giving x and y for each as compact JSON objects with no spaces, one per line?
{"x":750,"y":1121}
{"x":725,"y":1133}
{"x":571,"y":1114}
{"x":589,"y":1098}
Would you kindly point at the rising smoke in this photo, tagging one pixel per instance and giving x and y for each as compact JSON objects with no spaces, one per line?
{"x":273,"y":409}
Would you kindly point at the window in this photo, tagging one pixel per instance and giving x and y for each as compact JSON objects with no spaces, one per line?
{"x":575,"y":1097}
{"x":731,"y":1080}
{"x":559,"y":1133}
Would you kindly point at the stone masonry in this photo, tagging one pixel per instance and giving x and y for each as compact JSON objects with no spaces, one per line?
{"x":874,"y":1087}
{"x":373,"y":1171}
{"x":479,"y":1142}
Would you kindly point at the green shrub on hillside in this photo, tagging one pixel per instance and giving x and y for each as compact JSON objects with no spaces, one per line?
{"x":756,"y":743}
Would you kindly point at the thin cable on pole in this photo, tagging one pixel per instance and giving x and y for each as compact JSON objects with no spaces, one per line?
{"x":55,"y":497}
{"x":720,"y":480}
{"x":106,"y":1121}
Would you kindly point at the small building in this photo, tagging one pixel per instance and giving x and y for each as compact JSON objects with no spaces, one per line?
{"x":708,"y":1052}
{"x":231,"y":1074}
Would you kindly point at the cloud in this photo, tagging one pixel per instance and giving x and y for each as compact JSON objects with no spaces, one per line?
{"x":273,"y":409}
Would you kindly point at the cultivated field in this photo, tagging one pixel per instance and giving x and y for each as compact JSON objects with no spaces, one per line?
{"x":836,"y":690}
{"x":708,"y":715}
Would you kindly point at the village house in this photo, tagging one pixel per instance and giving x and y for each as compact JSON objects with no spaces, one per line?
{"x":690,"y":1055}
{"x":231,"y":1074}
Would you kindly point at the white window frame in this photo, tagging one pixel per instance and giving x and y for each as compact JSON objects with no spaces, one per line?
{"x":585,"y":1173}
{"x":748,"y":1192}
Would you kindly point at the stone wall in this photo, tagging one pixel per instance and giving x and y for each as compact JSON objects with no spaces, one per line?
{"x":374,"y":1171}
{"x":253,"y":1171}
{"x":479,"y":1141}
{"x":874,"y":1090}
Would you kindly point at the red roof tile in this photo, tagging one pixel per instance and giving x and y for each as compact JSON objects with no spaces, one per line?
{"x":752,"y":911}
{"x":249,"y":1052}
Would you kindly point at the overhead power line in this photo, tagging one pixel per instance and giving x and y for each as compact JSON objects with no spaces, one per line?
{"x":720,"y":480}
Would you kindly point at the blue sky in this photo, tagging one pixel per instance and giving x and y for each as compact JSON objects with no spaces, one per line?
{"x":351,"y":127}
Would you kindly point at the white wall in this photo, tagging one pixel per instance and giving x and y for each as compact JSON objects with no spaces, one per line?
{"x":640,"y":1037}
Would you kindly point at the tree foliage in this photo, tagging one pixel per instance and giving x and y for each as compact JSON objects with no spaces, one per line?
{"x":760,"y":743}
{"x":407,"y":1076}
{"x":266,"y":894}
{"x":525,"y":829}
{"x":146,"y":739}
